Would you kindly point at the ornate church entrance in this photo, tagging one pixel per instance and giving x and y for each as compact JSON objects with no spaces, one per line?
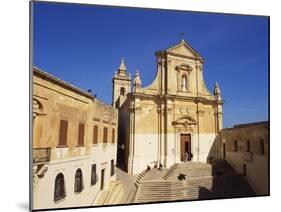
{"x":185,"y":146}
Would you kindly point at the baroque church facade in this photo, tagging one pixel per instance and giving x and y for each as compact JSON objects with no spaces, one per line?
{"x":173,"y":119}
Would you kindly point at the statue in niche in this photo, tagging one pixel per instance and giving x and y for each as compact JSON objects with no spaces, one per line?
{"x":184,"y":83}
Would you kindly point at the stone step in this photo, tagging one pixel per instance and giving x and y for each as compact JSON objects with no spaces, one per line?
{"x":203,"y":186}
{"x":113,"y":195}
{"x":100,"y":200}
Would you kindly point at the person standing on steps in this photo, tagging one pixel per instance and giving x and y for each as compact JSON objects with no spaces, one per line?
{"x":186,"y":157}
{"x":148,"y":168}
{"x":160,"y":167}
{"x":155,"y":164}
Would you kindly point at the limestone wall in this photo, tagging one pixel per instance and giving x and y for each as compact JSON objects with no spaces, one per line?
{"x":155,"y":116}
{"x":249,"y":155}
{"x":55,"y":100}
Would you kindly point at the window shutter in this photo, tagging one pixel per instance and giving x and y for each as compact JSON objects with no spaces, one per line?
{"x":262,"y":147}
{"x":95,"y":137}
{"x":236,"y":146}
{"x":248,"y":146}
{"x":81,"y":134}
{"x":105,"y":134}
{"x":113,"y":136}
{"x":63,"y":133}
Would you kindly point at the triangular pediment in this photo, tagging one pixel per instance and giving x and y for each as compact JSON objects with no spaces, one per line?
{"x":183,"y":48}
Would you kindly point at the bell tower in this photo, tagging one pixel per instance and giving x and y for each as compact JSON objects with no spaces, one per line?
{"x":121,"y":85}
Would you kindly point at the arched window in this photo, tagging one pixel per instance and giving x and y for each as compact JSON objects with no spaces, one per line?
{"x":184,"y":83}
{"x":78,"y":182}
{"x":122,"y":91}
{"x":59,"y":187}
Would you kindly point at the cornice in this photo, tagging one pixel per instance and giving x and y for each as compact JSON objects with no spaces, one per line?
{"x":175,"y":97}
{"x":46,"y":76}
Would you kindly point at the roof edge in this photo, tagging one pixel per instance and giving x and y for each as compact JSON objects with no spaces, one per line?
{"x":42,"y":73}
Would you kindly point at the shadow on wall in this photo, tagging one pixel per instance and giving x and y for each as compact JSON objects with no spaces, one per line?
{"x":215,"y":150}
{"x":121,"y":137}
{"x":225,"y":182}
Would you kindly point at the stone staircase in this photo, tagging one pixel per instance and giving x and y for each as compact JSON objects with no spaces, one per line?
{"x":203,"y":181}
{"x":190,"y":169}
{"x":101,"y":198}
{"x":127,"y":196}
{"x":153,"y":174}
{"x":170,"y":171}
{"x":140,"y":176}
{"x":109,"y":196}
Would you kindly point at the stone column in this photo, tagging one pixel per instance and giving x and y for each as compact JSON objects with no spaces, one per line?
{"x":199,"y":125}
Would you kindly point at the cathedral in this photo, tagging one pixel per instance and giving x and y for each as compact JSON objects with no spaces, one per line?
{"x":175,"y":118}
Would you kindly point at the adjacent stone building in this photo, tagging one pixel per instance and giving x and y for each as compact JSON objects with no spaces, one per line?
{"x":173,"y":117}
{"x":74,"y":144}
{"x":246,"y":148}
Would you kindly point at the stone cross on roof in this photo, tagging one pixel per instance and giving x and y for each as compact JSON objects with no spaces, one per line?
{"x":182,"y":36}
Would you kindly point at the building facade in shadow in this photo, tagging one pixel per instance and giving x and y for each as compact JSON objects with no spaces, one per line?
{"x":246,"y":148}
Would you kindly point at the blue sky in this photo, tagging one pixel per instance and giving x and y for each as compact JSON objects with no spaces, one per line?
{"x":83,"y":45}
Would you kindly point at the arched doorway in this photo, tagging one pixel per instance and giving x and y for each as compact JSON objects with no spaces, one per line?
{"x":185,"y":147}
{"x":184,"y":130}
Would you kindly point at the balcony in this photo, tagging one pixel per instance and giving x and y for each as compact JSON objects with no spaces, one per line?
{"x":41,"y":155}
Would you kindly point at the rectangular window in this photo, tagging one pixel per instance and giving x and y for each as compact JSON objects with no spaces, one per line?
{"x":105,"y":132}
{"x":248,"y":146}
{"x":112,"y":168}
{"x":244,"y":169}
{"x":262,"y":146}
{"x":81,"y":134}
{"x":95,"y":136}
{"x":94,"y":174}
{"x":113,"y":136}
{"x":63,"y":133}
{"x":235,"y":146}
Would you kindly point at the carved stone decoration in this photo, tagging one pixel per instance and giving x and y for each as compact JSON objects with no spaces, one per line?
{"x":184,"y":67}
{"x":201,"y":112}
{"x":218,"y":113}
{"x":185,"y":121}
{"x":169,"y":109}
{"x":37,"y":108}
{"x":185,"y":111}
{"x":186,"y":124}
{"x":161,"y":108}
{"x":181,"y":110}
{"x":135,"y":109}
{"x":199,"y":67}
